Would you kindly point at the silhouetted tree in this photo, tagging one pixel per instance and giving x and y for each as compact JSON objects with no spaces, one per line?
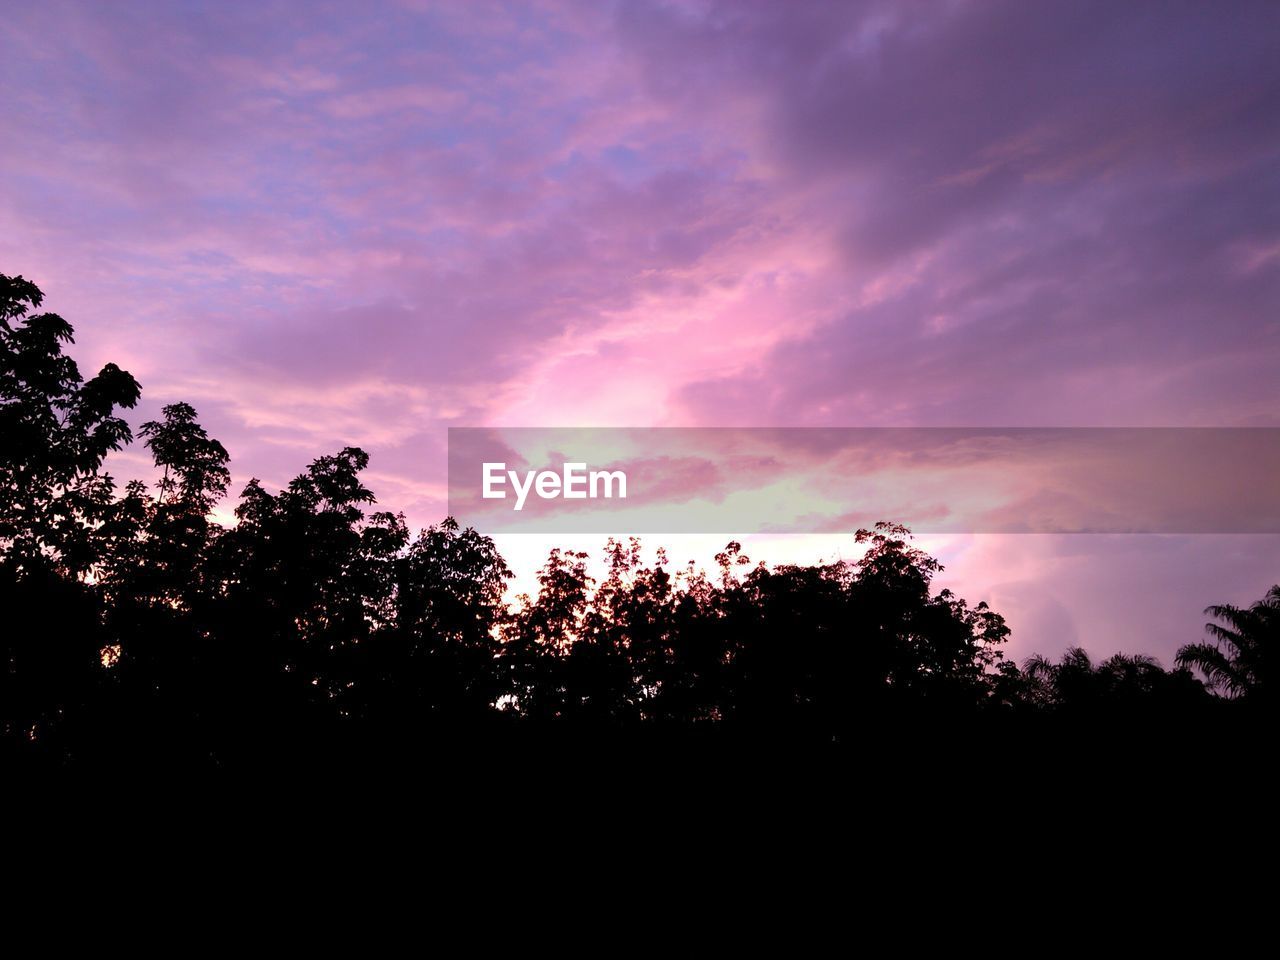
{"x":808,"y":651}
{"x":153,"y":577}
{"x":302,"y":580}
{"x":541,"y":637}
{"x":137,"y":628}
{"x":1240,"y":662}
{"x":628,"y":633}
{"x":919,"y":645}
{"x":1123,"y":684}
{"x":434,"y":656}
{"x":55,"y":431}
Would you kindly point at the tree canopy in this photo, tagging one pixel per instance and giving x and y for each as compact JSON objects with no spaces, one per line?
{"x":137,"y":626}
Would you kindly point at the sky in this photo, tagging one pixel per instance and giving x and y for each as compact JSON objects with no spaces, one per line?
{"x":332,"y":224}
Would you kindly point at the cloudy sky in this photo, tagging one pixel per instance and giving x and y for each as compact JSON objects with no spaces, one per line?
{"x":329,"y":224}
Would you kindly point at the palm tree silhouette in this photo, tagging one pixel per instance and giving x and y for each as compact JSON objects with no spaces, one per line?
{"x":1240,"y":661}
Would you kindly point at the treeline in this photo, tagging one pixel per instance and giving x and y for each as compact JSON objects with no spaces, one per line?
{"x":135,"y":627}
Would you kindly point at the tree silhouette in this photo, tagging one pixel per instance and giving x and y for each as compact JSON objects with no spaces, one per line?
{"x":541,"y":639}
{"x":1240,"y":662}
{"x":302,"y":581}
{"x":199,"y":464}
{"x":434,"y":659}
{"x":55,"y":431}
{"x":138,"y":630}
{"x":1123,"y":685}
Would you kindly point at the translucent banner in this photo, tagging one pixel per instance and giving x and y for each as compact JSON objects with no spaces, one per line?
{"x":821,"y":480}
